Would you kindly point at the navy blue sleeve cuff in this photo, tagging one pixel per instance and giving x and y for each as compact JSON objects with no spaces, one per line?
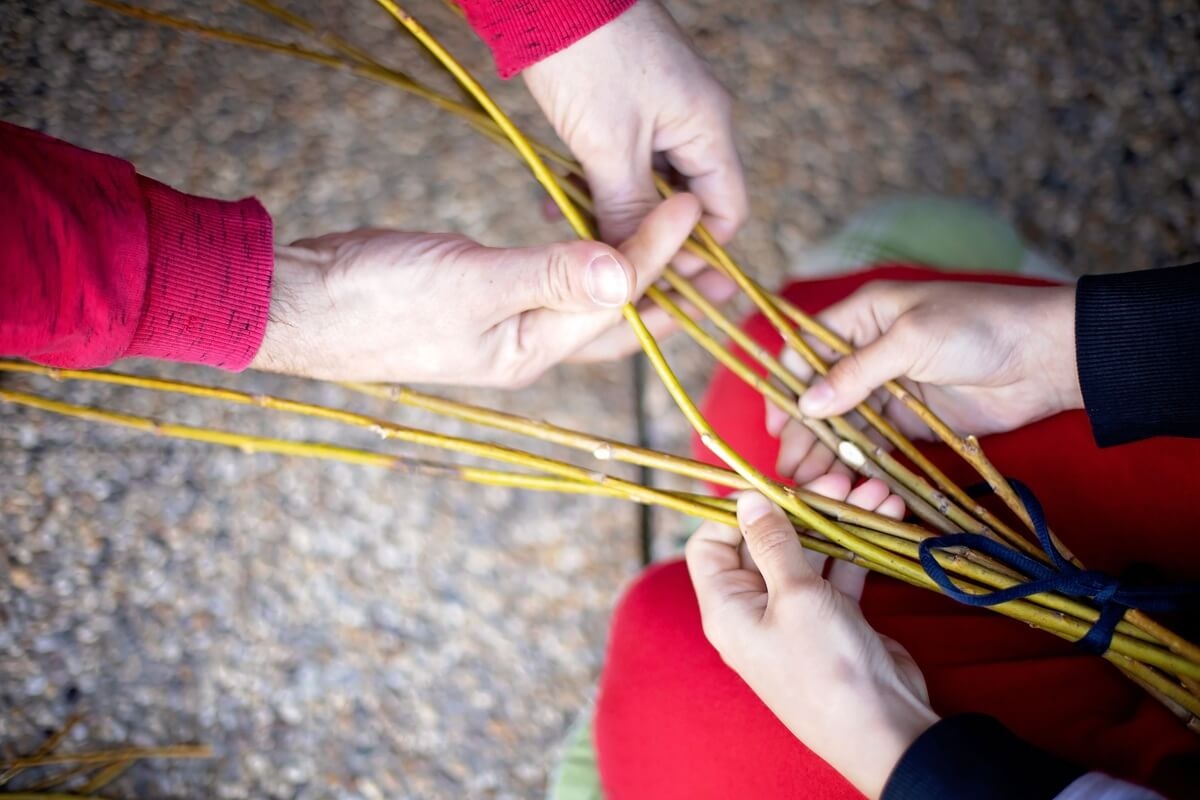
{"x":972,"y":755}
{"x":1137,"y":346}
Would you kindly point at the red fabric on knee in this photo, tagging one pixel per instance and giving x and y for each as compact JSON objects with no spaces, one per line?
{"x":673,"y":721}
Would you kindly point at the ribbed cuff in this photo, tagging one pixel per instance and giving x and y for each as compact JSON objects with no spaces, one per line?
{"x":971,"y":755}
{"x":520,"y":34}
{"x":209,"y":285}
{"x":1137,"y":345}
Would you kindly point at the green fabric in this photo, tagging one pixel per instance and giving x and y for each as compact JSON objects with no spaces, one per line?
{"x":934,"y":231}
{"x":576,"y":777}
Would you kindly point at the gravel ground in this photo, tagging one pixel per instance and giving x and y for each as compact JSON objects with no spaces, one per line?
{"x":343,"y":632}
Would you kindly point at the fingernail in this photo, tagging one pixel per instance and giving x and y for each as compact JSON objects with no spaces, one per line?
{"x":817,"y":398}
{"x":752,"y":506}
{"x":606,"y":282}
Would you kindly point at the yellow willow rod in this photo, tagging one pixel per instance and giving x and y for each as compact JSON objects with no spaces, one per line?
{"x":301,"y":24}
{"x":604,"y":449}
{"x":1026,"y":611}
{"x":600,"y":448}
{"x":585,"y":483}
{"x":108,"y":756}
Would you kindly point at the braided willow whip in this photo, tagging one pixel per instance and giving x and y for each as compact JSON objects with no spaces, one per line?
{"x":1154,"y":657}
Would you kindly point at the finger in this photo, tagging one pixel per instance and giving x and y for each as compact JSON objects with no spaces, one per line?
{"x":555,"y":336}
{"x":712,"y":560}
{"x":660,"y":236}
{"x":853,"y":378}
{"x":713,"y":172}
{"x":892,"y":507}
{"x":777,"y":418}
{"x":773,"y":543}
{"x":868,"y":312}
{"x":717,"y":550}
{"x":623,"y":193}
{"x":875,"y":495}
{"x":565,"y":276}
{"x":795,"y":443}
{"x":795,"y":364}
{"x":832,"y":485}
{"x":869,"y":494}
{"x":849,"y":579}
{"x":819,"y":461}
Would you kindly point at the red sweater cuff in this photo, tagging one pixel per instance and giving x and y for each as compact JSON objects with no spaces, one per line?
{"x":523,"y":33}
{"x":209,"y":285}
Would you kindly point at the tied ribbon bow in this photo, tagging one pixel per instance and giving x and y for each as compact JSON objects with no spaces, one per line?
{"x":1111,"y":595}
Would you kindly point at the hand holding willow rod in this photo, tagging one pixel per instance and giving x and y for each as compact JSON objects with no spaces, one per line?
{"x":984,"y":358}
{"x":802,"y":644}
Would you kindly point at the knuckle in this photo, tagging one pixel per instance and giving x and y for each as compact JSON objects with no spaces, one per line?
{"x":770,"y":539}
{"x":814,"y":602}
{"x":850,"y":370}
{"x":557,"y":279}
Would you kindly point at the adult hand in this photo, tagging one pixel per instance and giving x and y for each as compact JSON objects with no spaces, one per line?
{"x":629,"y":91}
{"x":375,"y":305}
{"x":855,"y":698}
{"x":985,"y":358}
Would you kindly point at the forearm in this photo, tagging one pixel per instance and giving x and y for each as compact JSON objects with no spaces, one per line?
{"x":99,"y":263}
{"x":1137,"y":342}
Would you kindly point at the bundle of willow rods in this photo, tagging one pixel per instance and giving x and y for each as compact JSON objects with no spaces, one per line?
{"x":51,"y":772}
{"x":1156,"y":658}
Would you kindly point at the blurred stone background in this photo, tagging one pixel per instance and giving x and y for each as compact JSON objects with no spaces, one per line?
{"x":343,"y":632}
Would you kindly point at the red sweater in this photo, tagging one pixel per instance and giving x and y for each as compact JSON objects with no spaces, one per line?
{"x":99,"y":263}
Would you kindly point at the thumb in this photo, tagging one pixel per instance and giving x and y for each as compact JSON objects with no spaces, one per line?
{"x":852,"y":379}
{"x":569,"y":276}
{"x":773,"y":543}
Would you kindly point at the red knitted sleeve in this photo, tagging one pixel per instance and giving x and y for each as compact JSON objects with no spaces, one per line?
{"x":98,"y":263}
{"x":523,"y":32}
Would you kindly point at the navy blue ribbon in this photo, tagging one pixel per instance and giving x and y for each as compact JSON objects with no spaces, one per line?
{"x":1111,"y":595}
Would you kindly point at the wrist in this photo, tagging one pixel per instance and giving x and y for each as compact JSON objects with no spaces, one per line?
{"x":1068,"y":394}
{"x":1057,"y":366}
{"x":286,"y":345}
{"x":900,"y":722}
